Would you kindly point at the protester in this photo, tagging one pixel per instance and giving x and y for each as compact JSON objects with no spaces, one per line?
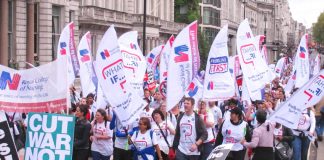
{"x":158,"y":99}
{"x":262,"y":139}
{"x":303,"y":133}
{"x":145,"y":142}
{"x":81,"y":134}
{"x":121,"y":149}
{"x":168,"y":115}
{"x":147,"y":112}
{"x":164,"y":131}
{"x":74,"y":97}
{"x":233,"y":130}
{"x":102,"y":144}
{"x":208,"y":118}
{"x":92,"y":109}
{"x":190,"y":133}
{"x":284,"y":136}
{"x":147,"y":94}
{"x":218,"y":116}
{"x":231,"y":104}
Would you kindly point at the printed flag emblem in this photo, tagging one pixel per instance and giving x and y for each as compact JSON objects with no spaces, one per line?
{"x":84,"y":55}
{"x":105,"y":54}
{"x":192,"y":89}
{"x":5,"y":80}
{"x":63,"y":50}
{"x":181,"y":55}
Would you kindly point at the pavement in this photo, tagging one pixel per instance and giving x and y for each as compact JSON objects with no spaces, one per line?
{"x":320,"y":151}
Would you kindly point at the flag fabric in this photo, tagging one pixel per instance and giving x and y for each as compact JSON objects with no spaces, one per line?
{"x":183,"y":64}
{"x":164,"y":60}
{"x":88,"y":76}
{"x":111,"y":73}
{"x":317,"y":64}
{"x":302,"y":63}
{"x":38,"y":89}
{"x":195,"y":91}
{"x":66,"y":48}
{"x":308,"y":95}
{"x":280,"y":66}
{"x":218,"y":84}
{"x":133,"y":60}
{"x":254,"y":69}
{"x":153,"y":58}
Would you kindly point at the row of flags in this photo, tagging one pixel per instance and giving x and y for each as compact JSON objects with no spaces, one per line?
{"x":116,"y":76}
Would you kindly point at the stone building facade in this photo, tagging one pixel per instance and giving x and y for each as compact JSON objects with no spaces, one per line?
{"x":30,"y":29}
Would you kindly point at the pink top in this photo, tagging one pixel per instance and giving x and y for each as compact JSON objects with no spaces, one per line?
{"x":261,"y":137}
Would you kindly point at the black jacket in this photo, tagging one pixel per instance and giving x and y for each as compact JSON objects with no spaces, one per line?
{"x":287,"y":135}
{"x":82,"y":134}
{"x":201,"y":131}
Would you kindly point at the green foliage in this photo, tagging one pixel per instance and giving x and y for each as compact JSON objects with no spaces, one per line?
{"x":318,"y":30}
{"x":193,"y":14}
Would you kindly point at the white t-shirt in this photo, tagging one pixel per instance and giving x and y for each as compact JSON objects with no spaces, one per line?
{"x":147,"y":114}
{"x":161,"y":141}
{"x":306,"y":123}
{"x":155,"y":104}
{"x":209,"y":117}
{"x":187,"y":134}
{"x":217,"y":112}
{"x":103,"y":146}
{"x":233,"y":134}
{"x":122,"y":142}
{"x":143,"y":141}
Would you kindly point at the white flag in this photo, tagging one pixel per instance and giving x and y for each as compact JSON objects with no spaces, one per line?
{"x":311,"y":93}
{"x":66,"y":48}
{"x":87,"y":75}
{"x":302,"y":63}
{"x":133,"y":59}
{"x":153,"y":57}
{"x":280,"y":66}
{"x":164,"y":59}
{"x":183,"y":65}
{"x":317,"y":64}
{"x":110,"y":71}
{"x":254,"y":68}
{"x":218,"y":84}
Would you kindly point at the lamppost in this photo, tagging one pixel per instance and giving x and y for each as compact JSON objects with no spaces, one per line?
{"x":244,"y":2}
{"x":265,"y":28}
{"x":144,"y":28}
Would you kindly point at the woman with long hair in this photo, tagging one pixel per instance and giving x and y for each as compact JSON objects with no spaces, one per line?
{"x":102,"y":144}
{"x":81,"y":134}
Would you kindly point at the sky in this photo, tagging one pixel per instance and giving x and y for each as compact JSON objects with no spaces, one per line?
{"x":306,"y":11}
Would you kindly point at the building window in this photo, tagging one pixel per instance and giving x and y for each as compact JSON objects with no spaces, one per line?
{"x":210,"y":34}
{"x":216,"y":3}
{"x":36,"y":32}
{"x":211,"y":16}
{"x":10,"y":32}
{"x":55,"y":29}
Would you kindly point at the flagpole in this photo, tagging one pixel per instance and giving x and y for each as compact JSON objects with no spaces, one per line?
{"x":144,"y":29}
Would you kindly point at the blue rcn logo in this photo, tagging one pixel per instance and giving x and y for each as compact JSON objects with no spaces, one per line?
{"x":218,"y":65}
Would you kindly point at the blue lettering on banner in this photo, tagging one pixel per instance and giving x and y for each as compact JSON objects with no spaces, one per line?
{"x":218,"y":65}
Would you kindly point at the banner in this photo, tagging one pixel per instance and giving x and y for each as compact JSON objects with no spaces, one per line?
{"x":254,"y":69}
{"x":133,"y":60}
{"x":302,"y":63}
{"x":39,"y":89}
{"x":183,"y":64}
{"x":66,"y":48}
{"x":110,"y":70}
{"x":164,"y":59}
{"x":317,"y":64}
{"x":218,"y":84}
{"x":260,"y":40}
{"x":264,"y":54}
{"x":153,"y":58}
{"x":311,"y":93}
{"x":195,"y":91}
{"x":49,"y":136}
{"x":87,"y":75}
{"x":8,"y":149}
{"x":220,"y":152}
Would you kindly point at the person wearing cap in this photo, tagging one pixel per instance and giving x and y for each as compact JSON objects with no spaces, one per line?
{"x":262,"y":139}
{"x":232,"y":131}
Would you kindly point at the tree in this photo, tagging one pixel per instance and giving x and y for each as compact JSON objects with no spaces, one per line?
{"x":187,"y":11}
{"x":318,"y":30}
